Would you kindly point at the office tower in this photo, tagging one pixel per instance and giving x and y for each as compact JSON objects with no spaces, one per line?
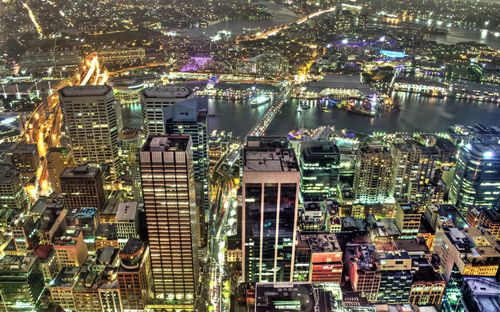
{"x":363,"y":269}
{"x":395,"y":277}
{"x":12,"y":194}
{"x":82,"y":187}
{"x":91,"y":123}
{"x":476,"y":182}
{"x":130,"y":144}
{"x":21,"y":229}
{"x":270,"y":192}
{"x":373,"y":179}
{"x":70,"y":248}
{"x":23,"y":156}
{"x":127,"y":222}
{"x":153,"y":102}
{"x":171,"y":215}
{"x":58,"y":159}
{"x":187,"y":117}
{"x":408,"y":218}
{"x":21,"y":283}
{"x":134,"y":275}
{"x":415,"y":170}
{"x":319,"y":170}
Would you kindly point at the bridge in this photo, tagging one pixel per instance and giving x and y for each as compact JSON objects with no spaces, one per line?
{"x":44,"y":125}
{"x":261,"y":126}
{"x":275,"y":30}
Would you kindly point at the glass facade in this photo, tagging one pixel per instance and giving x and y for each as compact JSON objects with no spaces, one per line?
{"x":269,"y":231}
{"x":476,"y":182}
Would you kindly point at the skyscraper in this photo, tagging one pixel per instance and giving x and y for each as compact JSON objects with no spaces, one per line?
{"x":171,"y":215}
{"x":271,"y":180}
{"x":82,"y":187}
{"x":187,"y":117}
{"x":153,"y":102}
{"x":91,"y":123}
{"x":12,"y":194}
{"x":476,"y":182}
{"x":373,"y":179}
{"x":319,"y":170}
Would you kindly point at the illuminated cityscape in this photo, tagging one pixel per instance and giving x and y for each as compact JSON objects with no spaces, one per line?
{"x":244,"y":155}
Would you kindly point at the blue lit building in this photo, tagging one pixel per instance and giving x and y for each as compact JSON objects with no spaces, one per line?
{"x":476,"y":182}
{"x":319,"y":170}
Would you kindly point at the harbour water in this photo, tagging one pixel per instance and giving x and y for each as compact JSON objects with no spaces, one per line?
{"x":418,"y":113}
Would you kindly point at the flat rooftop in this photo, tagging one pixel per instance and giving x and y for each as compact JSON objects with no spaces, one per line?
{"x":269,"y":154}
{"x":285,"y":297}
{"x":167,"y":92}
{"x":126,"y":211}
{"x":166,"y":143}
{"x":8,"y":174}
{"x":321,"y":242}
{"x":84,"y":91}
{"x":84,"y":171}
{"x":485,"y":292}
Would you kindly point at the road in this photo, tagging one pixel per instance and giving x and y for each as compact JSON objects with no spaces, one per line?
{"x":275,"y":30}
{"x":45,"y":123}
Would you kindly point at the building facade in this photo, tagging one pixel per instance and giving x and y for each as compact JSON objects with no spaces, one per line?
{"x":171,"y":215}
{"x":271,"y":180}
{"x":91,"y":121}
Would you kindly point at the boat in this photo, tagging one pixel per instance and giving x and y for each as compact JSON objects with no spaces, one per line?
{"x":260,"y":100}
{"x":304,"y":105}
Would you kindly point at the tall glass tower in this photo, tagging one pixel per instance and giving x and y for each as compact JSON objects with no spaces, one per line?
{"x":271,"y":180}
{"x":476,"y":182}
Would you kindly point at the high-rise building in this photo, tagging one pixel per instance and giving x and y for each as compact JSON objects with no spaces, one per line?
{"x":127,"y":222}
{"x":373,"y":179}
{"x":134,"y":275}
{"x":270,"y":192}
{"x":476,"y":182}
{"x":12,"y":194}
{"x":58,"y":159}
{"x":395,"y":277}
{"x":82,"y":187}
{"x":189,"y":118}
{"x":153,"y":102}
{"x":21,"y":284}
{"x":23,"y":156}
{"x":91,"y":123}
{"x":171,"y":215}
{"x":319,"y":170}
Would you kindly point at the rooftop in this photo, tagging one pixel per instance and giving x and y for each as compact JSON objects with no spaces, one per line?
{"x":17,"y":263}
{"x":126,"y":211}
{"x":269,"y":155}
{"x":363,"y":254}
{"x":84,"y":171}
{"x":8,"y":174}
{"x":164,"y":143}
{"x":485,"y":292}
{"x":85,"y":91}
{"x":321,"y":242}
{"x":165,"y":92}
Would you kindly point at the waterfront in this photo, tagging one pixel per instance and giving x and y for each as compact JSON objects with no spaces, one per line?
{"x":418,"y":113}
